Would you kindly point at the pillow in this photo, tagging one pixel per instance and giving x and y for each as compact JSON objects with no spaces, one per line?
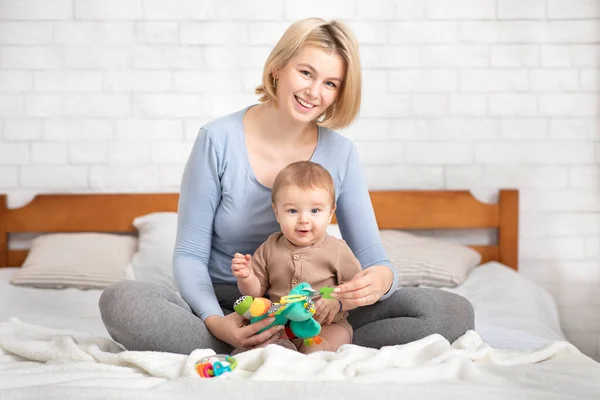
{"x":78,"y":260}
{"x":423,"y":261}
{"x":153,"y":262}
{"x":334,"y":230}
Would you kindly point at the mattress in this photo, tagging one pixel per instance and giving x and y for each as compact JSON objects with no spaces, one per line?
{"x":510,"y":310}
{"x":517,"y":351}
{"x":71,"y":309}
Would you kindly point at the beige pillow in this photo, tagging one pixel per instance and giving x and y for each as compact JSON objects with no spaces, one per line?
{"x":79,"y":260}
{"x":427,"y":261}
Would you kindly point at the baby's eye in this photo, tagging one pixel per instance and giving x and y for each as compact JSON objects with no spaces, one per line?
{"x":292,"y":211}
{"x":315,"y":211}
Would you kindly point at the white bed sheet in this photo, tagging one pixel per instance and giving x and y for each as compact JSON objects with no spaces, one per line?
{"x":510,"y":311}
{"x":71,"y":309}
{"x":38,"y":362}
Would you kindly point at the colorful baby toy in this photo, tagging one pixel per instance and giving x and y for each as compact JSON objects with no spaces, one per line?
{"x":211,"y":366}
{"x":295,"y":311}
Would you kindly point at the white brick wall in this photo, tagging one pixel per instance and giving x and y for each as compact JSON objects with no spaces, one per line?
{"x":479,"y":94}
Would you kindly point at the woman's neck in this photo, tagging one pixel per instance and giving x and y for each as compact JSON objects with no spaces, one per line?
{"x":277,"y":127}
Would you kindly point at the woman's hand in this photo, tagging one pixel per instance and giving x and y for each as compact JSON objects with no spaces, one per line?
{"x":366,"y":288}
{"x":235,"y":330}
{"x":326,"y":310}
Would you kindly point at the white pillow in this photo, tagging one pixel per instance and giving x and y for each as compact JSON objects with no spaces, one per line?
{"x":423,"y":261}
{"x":334,"y":230}
{"x":153,"y":262}
{"x":79,"y":260}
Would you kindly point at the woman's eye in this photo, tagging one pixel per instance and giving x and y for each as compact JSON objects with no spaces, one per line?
{"x":331,"y":84}
{"x":305,"y":73}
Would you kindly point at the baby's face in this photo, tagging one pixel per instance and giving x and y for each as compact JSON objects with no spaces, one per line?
{"x":303,"y":215}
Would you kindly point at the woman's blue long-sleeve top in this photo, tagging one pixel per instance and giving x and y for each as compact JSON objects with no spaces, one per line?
{"x":224,"y":210}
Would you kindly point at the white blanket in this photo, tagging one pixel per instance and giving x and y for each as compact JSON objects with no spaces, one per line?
{"x":40,"y":361}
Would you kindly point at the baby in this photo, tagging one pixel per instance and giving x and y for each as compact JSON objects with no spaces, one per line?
{"x":303,"y":198}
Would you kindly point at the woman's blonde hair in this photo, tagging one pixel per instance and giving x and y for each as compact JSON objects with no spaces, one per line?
{"x":333,"y":36}
{"x":306,"y":175}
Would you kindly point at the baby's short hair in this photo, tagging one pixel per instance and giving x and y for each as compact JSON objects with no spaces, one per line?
{"x":306,"y":175}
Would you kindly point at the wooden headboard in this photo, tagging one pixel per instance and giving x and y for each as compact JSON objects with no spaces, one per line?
{"x":437,"y":209}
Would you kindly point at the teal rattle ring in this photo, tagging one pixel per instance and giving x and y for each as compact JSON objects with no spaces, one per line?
{"x":218,"y":364}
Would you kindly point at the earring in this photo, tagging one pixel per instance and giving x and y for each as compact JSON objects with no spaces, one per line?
{"x":274,"y":83}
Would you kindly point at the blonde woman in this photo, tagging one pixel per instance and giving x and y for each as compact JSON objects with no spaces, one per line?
{"x":311,"y":85}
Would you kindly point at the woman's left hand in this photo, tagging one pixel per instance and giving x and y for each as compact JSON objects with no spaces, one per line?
{"x":366,"y":288}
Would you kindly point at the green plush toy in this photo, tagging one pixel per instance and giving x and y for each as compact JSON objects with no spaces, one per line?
{"x":295,"y":311}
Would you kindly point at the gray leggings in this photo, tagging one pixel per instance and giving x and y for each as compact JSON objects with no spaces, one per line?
{"x":146,"y":316}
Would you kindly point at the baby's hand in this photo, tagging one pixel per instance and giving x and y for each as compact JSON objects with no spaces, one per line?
{"x":326,"y":310}
{"x":241,"y":265}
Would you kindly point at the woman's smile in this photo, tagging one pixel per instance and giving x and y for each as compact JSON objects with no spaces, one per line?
{"x":303,"y":106}
{"x":304,"y":103}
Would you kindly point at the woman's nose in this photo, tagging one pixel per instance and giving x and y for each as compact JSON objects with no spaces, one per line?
{"x":311,"y":91}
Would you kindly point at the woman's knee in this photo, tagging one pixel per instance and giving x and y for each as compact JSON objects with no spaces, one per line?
{"x":126,"y":298}
{"x":113,"y":299}
{"x":111,"y":295}
{"x":438,"y":311}
{"x":462,"y":312}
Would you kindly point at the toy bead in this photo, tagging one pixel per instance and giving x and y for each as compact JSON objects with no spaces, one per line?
{"x":232,"y":362}
{"x":313,"y":341}
{"x":218,"y":368}
{"x":259,"y":306}
{"x":242,"y":306}
{"x":200,"y":368}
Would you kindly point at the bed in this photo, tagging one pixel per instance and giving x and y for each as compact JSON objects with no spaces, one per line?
{"x":53,"y":342}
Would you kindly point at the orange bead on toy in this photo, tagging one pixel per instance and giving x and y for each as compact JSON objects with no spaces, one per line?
{"x":259,"y":306}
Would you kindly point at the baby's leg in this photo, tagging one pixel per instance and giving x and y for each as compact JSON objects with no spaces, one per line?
{"x":333,"y":336}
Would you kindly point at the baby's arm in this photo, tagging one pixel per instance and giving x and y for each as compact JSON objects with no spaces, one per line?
{"x":251,"y":272}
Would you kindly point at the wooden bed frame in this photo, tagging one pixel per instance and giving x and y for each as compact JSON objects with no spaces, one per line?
{"x":393,"y":209}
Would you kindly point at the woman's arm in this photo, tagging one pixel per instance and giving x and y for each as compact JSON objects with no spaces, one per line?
{"x":199,"y":198}
{"x":198,"y":201}
{"x":358,"y":226}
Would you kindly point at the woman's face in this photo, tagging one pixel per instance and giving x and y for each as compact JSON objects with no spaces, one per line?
{"x":309,"y":83}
